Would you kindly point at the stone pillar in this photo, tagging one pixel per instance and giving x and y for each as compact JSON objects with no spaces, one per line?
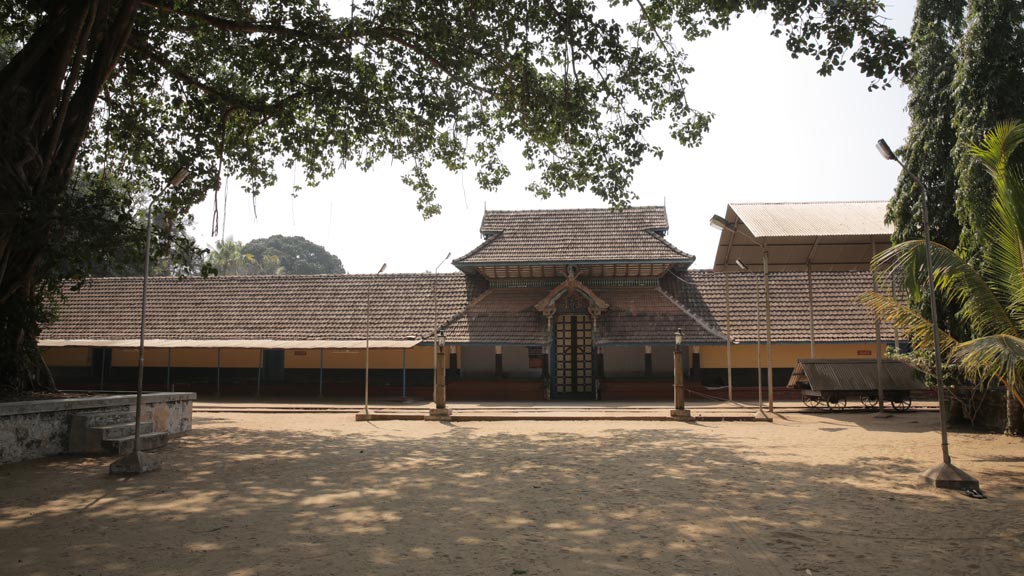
{"x":440,"y":411}
{"x":679,"y":411}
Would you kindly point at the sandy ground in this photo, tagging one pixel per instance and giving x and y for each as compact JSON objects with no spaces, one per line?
{"x":321,"y":494}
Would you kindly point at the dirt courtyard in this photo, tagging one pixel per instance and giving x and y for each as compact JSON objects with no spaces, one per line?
{"x":248,"y":494}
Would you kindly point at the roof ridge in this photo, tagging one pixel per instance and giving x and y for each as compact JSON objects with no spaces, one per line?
{"x":487,"y":241}
{"x":670,"y":245}
{"x":604,"y":209}
{"x":700,"y":321}
{"x":265,"y":277}
{"x":808,"y":203}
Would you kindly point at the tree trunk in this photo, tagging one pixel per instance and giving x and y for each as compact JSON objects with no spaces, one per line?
{"x":48,"y":92}
{"x":1014,"y":415}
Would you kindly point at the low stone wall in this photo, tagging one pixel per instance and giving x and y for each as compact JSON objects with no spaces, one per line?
{"x":38,"y":428}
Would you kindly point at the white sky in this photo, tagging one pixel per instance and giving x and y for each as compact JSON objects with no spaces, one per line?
{"x":781,"y":133}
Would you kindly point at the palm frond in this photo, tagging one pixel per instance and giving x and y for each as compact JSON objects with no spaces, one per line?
{"x":955,"y":281}
{"x":995,"y":150}
{"x":908,"y":321}
{"x":998,"y":358}
{"x":1004,"y":264}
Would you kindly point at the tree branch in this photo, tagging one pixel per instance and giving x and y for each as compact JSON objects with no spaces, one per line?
{"x":232,"y":100}
{"x":353,"y":30}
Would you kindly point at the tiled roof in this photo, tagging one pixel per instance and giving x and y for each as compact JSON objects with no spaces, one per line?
{"x":502,"y":316}
{"x":409,"y":306}
{"x":838,"y":317}
{"x":814,"y":219}
{"x":644,"y":315}
{"x":329,"y":307}
{"x":638,"y":315}
{"x":574,"y":236}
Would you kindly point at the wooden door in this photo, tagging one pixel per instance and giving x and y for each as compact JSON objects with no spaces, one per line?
{"x":574,"y":358}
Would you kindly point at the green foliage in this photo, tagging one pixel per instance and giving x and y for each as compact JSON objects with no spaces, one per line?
{"x":937,"y":27}
{"x":227,"y":258}
{"x":92,"y":228}
{"x":274,"y":255}
{"x":988,"y":86}
{"x":293,"y":255}
{"x":990,"y":297}
{"x":239,"y":85}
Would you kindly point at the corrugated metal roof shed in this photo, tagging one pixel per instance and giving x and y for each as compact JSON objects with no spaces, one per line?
{"x":846,"y":375}
{"x":814,"y":219}
{"x":829,"y":236}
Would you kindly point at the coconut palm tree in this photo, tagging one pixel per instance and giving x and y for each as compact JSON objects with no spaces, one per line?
{"x":227,"y":257}
{"x":990,"y":300}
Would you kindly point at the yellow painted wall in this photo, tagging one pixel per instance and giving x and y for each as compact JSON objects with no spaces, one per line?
{"x":130,"y":357}
{"x":240,"y":358}
{"x":68,"y":356}
{"x":188,"y":357}
{"x":193,"y":357}
{"x":417,"y":357}
{"x":783,"y":355}
{"x":304,"y":358}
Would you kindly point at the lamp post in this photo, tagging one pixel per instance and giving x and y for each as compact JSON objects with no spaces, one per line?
{"x":679,"y":411}
{"x":138,"y":462}
{"x":723,"y":224}
{"x":759,"y":415}
{"x":366,"y":380}
{"x":440,"y":411}
{"x":945,"y":474}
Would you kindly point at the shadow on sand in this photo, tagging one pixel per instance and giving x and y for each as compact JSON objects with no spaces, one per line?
{"x":479,"y":499}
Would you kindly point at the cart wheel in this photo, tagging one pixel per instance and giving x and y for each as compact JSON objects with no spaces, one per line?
{"x":836,"y":403}
{"x":901,"y":405}
{"x":811,"y":401}
{"x":869,"y":401}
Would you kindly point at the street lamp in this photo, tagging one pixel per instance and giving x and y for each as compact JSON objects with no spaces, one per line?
{"x":944,"y":475}
{"x":440,"y":411}
{"x":759,"y":415}
{"x":138,"y":462}
{"x":679,"y":411}
{"x":723,"y":224}
{"x":366,"y":382}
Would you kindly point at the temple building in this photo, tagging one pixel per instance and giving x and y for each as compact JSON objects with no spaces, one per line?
{"x":553,"y":304}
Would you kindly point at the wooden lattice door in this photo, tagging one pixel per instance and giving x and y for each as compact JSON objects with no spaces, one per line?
{"x":574,"y":361}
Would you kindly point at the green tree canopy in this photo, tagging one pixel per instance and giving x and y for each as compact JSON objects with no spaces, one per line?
{"x":294,"y":255}
{"x":938,"y":25}
{"x":138,"y":88}
{"x":274,"y":255}
{"x":988,"y":86}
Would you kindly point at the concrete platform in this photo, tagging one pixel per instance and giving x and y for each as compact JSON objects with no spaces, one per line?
{"x":702,"y":411}
{"x":584,"y":416}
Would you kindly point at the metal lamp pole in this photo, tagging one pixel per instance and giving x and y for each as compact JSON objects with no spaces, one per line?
{"x":759,"y":415}
{"x":723,"y":224}
{"x":945,"y":474}
{"x":440,"y":411}
{"x":366,"y":386}
{"x":137,"y":462}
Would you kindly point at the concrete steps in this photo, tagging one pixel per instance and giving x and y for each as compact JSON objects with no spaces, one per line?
{"x":110,"y":432}
{"x":126,"y":445}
